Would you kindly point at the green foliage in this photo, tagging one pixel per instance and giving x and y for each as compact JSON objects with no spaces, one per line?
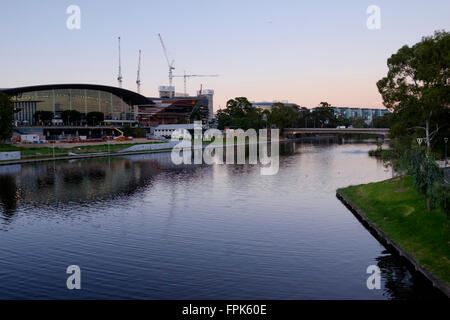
{"x":323,"y":116}
{"x":95,"y":118}
{"x":6,"y":117}
{"x":385,"y":121}
{"x":426,"y":174}
{"x":283,"y":116}
{"x":43,"y":117}
{"x":197,"y":115}
{"x":359,"y":123}
{"x":137,"y":132}
{"x":239,"y":113}
{"x":424,"y":171}
{"x":416,"y":88}
{"x":71,"y":116}
{"x":440,"y":197}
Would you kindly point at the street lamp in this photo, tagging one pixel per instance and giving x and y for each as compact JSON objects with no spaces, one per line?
{"x":419,"y":141}
{"x":445,"y":163}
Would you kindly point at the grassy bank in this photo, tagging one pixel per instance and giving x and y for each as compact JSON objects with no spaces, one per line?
{"x":31,"y":152}
{"x":395,"y":207}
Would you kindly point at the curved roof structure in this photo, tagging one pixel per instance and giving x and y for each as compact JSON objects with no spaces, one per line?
{"x":127,"y":95}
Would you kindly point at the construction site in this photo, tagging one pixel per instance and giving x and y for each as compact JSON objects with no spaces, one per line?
{"x":76,"y":113}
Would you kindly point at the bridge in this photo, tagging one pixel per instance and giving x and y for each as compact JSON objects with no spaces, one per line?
{"x":335,"y":131}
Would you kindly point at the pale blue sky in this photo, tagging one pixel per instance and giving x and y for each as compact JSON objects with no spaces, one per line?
{"x":301,"y":51}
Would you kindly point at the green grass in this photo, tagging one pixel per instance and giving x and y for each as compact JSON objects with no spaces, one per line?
{"x":45,"y":151}
{"x":396,"y":208}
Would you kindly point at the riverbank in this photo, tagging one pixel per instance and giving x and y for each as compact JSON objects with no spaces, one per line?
{"x":397,"y":215}
{"x":38,"y":151}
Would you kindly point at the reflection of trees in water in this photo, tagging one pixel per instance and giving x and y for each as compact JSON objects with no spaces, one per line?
{"x":49,"y":185}
{"x":402,"y":283}
{"x":8,"y":195}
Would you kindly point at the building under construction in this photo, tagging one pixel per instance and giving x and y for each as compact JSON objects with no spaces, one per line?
{"x":171,"y":108}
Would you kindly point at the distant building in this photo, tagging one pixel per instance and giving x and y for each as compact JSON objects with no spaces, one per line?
{"x":171,"y":110}
{"x":166,"y":130}
{"x":367,"y":114}
{"x":209,"y":94}
{"x":166,"y":92}
{"x":118,"y":105}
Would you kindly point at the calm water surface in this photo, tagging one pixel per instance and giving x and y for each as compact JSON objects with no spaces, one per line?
{"x":140,"y":227}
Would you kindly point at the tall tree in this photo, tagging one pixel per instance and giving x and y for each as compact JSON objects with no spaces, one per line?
{"x":240,"y":113}
{"x":43,"y":116}
{"x":416,"y":87}
{"x":283,"y":116}
{"x":94,"y":118}
{"x":70,"y":116}
{"x":197,"y":114}
{"x":323,"y":116}
{"x":6,"y":117}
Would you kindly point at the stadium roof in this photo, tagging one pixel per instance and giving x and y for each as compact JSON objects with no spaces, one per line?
{"x":127,"y":95}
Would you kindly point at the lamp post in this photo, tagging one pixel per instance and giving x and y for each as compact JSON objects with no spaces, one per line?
{"x":419,"y":141}
{"x":445,"y":162}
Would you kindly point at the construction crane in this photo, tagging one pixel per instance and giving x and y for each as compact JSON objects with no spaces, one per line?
{"x":185,"y":76}
{"x":119,"y":77}
{"x":138,"y":79}
{"x":170,"y":64}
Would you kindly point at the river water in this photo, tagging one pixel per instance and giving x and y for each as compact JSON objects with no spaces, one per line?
{"x":140,"y":227}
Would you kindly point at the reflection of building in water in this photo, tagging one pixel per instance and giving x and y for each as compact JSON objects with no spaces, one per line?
{"x":79,"y":181}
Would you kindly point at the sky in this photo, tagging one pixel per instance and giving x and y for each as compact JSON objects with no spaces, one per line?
{"x":303,"y":52}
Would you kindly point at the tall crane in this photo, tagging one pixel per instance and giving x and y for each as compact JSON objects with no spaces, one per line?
{"x":119,"y":77}
{"x":185,"y":76}
{"x":170,"y":64}
{"x":138,"y":79}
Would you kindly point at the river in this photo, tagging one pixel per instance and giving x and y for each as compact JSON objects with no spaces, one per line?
{"x":140,"y":227}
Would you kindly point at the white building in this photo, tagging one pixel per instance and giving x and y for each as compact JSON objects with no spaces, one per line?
{"x":166,"y":130}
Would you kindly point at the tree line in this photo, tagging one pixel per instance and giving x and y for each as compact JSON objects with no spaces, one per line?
{"x":70,"y":117}
{"x":240,"y":113}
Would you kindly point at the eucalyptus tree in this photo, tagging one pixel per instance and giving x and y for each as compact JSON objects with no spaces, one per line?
{"x":417,"y":89}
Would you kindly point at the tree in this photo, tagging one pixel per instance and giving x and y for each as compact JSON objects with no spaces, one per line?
{"x":359,"y":123}
{"x":240,"y":113}
{"x":196,"y":114}
{"x":94,"y":118}
{"x":43,"y":116}
{"x":323,"y":116}
{"x":69,"y":116}
{"x":416,"y":87}
{"x":425,"y":173}
{"x":385,"y":121}
{"x":283,"y":116}
{"x":6,"y":117}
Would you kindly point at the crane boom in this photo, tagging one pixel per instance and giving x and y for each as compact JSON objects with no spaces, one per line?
{"x":185,"y":76}
{"x":138,"y":79}
{"x":119,"y":76}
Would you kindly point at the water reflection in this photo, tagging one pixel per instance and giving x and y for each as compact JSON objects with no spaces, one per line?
{"x":401,"y":282}
{"x":50,"y":183}
{"x":195,"y":231}
{"x":8,"y":195}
